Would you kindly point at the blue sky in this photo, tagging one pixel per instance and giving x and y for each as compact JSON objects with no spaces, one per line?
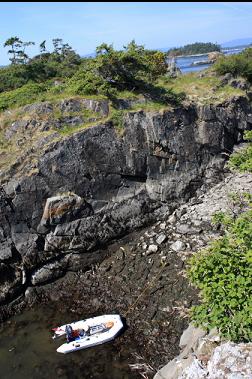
{"x":85,"y":25}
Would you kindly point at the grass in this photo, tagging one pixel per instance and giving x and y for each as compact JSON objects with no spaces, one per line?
{"x":225,"y":92}
{"x":116,"y":116}
{"x":204,"y":90}
{"x":31,"y":93}
{"x":54,"y":97}
{"x":127,"y":95}
{"x":151,"y":106}
{"x":3,"y":142}
{"x":242,"y":160}
{"x":68,"y":130}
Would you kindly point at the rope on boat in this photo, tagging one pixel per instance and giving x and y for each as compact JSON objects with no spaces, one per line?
{"x":149,"y":285}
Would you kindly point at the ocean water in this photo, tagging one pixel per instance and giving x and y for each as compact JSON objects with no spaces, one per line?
{"x":185,"y":63}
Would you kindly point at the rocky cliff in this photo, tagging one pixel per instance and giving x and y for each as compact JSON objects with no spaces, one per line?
{"x":94,"y":186}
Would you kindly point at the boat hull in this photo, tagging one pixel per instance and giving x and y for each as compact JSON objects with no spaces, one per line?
{"x":97,"y":338}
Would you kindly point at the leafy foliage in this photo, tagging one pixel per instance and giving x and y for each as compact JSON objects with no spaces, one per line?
{"x":223,"y":274}
{"x":87,"y":82}
{"x":132,"y":69}
{"x":242,"y":161}
{"x":63,"y":62}
{"x":237,"y":65}
{"x":21,"y":96}
{"x":12,"y":77}
{"x":194,"y":48}
{"x":117,"y":119}
{"x":17,"y":50}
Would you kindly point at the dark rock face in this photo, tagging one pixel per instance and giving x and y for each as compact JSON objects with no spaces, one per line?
{"x":121,"y":183}
{"x":87,"y":233}
{"x":10,"y":259}
{"x":76,"y":105}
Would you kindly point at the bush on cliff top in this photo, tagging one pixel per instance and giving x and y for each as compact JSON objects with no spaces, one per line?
{"x":132,"y":69}
{"x":237,"y":65}
{"x":223,"y":274}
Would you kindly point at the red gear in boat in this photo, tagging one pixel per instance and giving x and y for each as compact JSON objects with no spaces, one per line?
{"x":75,"y":333}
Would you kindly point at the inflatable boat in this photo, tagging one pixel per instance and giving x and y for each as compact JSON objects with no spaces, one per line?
{"x":89,"y":332}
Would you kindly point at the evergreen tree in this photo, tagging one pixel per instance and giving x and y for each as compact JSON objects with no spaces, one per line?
{"x":42,"y":47}
{"x":15,"y":43}
{"x":17,"y":51}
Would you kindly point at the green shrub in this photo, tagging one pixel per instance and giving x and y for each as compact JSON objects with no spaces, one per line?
{"x":117,"y":119}
{"x":132,"y":69}
{"x":21,"y":96}
{"x":12,"y":77}
{"x":89,"y":83}
{"x":223,"y":274}
{"x":237,"y":65}
{"x":39,"y":69}
{"x":242,"y":161}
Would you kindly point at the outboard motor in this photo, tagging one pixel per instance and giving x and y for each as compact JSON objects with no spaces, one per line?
{"x":69,"y":333}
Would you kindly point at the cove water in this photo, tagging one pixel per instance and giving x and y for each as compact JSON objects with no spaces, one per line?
{"x":185,"y":63}
{"x":27,"y":351}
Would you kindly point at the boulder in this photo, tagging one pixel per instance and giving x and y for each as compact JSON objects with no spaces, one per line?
{"x":161,"y":239}
{"x":162,"y":226}
{"x":188,"y":343}
{"x":76,"y":105}
{"x":214,"y":55}
{"x":187,"y":229}
{"x":87,"y":233}
{"x":231,"y":360}
{"x":227,"y":361}
{"x":226,"y":78}
{"x":39,"y":108}
{"x":173,"y":71}
{"x":63,"y":208}
{"x":50,"y":271}
{"x":204,"y":356}
{"x":239,"y":83}
{"x":152,"y":249}
{"x":178,"y":246}
{"x":190,"y":337}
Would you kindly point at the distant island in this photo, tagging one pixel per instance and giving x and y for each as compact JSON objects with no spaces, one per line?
{"x":237,"y":42}
{"x":194,"y":48}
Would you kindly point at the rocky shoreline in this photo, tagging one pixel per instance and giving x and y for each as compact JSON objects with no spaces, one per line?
{"x":142,"y":276}
{"x":66,"y":228}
